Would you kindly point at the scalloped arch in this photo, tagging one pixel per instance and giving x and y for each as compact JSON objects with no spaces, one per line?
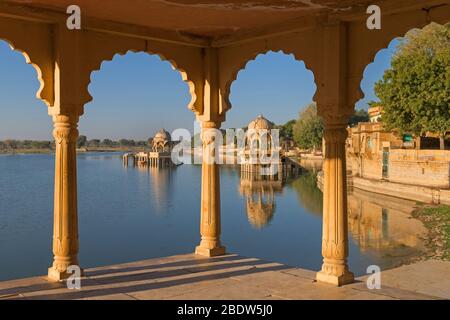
{"x":242,"y":65}
{"x":376,"y":51}
{"x":182,"y":71}
{"x":44,"y":92}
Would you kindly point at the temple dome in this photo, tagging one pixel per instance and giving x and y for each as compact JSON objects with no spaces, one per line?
{"x":260,"y":123}
{"x":162,"y":135}
{"x":162,"y":141}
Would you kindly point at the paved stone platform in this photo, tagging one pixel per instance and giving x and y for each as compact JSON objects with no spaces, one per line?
{"x":230,"y":277}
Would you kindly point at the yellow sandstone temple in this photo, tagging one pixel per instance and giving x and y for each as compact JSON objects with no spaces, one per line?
{"x":160,"y":154}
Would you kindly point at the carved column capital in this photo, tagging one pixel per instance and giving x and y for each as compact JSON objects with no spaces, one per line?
{"x":333,"y":114}
{"x":333,"y":134}
{"x":210,"y":137}
{"x":65,"y":128}
{"x":209,"y":126}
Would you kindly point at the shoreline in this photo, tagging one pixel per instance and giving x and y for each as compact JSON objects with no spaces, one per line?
{"x":51,"y":151}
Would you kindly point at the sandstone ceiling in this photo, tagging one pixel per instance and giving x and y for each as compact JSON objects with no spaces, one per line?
{"x":205,"y":18}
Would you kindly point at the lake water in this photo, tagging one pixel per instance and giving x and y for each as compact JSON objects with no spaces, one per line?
{"x":129,"y":213}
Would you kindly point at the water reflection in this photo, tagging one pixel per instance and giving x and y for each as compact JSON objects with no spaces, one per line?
{"x":382,"y":226}
{"x":309,"y":196}
{"x":143,"y":214}
{"x":161,"y":180}
{"x":259,"y":193}
{"x":312,"y":165}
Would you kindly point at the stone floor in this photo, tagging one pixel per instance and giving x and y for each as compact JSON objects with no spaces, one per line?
{"x":230,"y":277}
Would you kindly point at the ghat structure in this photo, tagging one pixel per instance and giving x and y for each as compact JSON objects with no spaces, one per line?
{"x":208,"y":42}
{"x":159,"y":157}
{"x":261,"y":154}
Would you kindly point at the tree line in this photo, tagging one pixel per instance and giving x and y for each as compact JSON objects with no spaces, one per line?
{"x":82,"y":142}
{"x":307,"y":130}
{"x":11,"y":144}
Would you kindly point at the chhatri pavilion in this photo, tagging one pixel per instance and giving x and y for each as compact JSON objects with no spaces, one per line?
{"x":160,"y":154}
{"x":208,"y":42}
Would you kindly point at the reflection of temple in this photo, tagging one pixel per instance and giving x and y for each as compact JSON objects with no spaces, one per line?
{"x":159,"y":156}
{"x":259,"y":192}
{"x":161,"y":186}
{"x":161,"y":181}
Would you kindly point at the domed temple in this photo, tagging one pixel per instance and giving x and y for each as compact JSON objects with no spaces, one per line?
{"x":262,"y":154}
{"x":160,"y":154}
{"x":161,"y":141}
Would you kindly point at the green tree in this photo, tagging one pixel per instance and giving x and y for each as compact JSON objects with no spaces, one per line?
{"x":308,"y":193}
{"x":93,"y":143}
{"x":107,"y":143}
{"x":81,"y":141}
{"x":360,"y":116}
{"x":127,"y":142}
{"x":415,"y":91}
{"x":308,"y":130}
{"x":11,"y":144}
{"x":287,"y":129}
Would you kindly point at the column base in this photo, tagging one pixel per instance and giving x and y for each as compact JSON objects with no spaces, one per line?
{"x":55,"y":275}
{"x":337,"y":280}
{"x":207,"y":252}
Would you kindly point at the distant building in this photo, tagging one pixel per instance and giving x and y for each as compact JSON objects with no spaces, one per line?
{"x":263,"y":155}
{"x":375,"y":113}
{"x":159,"y":156}
{"x":259,"y":133}
{"x":385,"y":162}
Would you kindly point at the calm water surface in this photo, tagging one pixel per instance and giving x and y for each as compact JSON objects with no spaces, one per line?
{"x":128,"y":214}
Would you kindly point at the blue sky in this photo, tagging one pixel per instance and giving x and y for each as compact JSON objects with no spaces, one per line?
{"x":137,"y":94}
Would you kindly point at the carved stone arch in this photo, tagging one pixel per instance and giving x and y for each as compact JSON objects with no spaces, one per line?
{"x":233,"y":59}
{"x":186,"y":60}
{"x":363,"y":52}
{"x":34,"y":41}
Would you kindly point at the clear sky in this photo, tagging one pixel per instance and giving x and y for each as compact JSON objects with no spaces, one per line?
{"x":137,"y":94}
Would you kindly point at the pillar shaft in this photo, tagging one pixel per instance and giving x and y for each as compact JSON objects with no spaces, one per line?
{"x":210,"y":194}
{"x":65,"y":223}
{"x":335,"y":235}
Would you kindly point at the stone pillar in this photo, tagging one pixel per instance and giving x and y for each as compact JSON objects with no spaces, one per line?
{"x":210,"y":194}
{"x":335,"y":234}
{"x":65,"y":223}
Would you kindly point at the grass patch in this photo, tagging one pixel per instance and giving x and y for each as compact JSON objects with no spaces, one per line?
{"x":437,"y":220}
